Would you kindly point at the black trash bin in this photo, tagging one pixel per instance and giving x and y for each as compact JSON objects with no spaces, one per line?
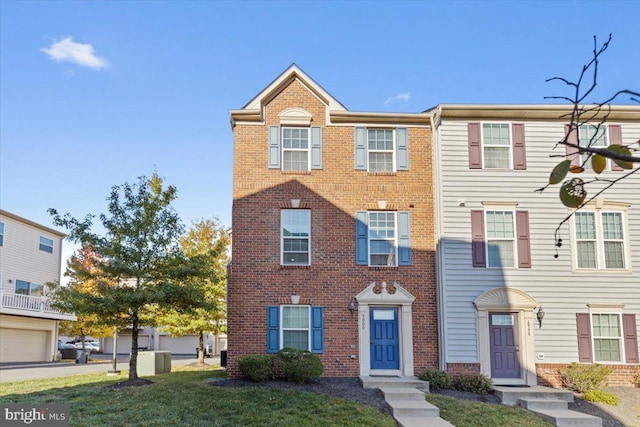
{"x":69,"y":353}
{"x":223,"y":358}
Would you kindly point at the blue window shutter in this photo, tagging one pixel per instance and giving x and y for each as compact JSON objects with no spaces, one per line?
{"x":404,"y":238}
{"x":273,"y":329}
{"x":274,"y":147}
{"x":317,"y":330}
{"x":362,"y":229}
{"x":361,"y":148}
{"x":316,"y":147}
{"x":402,"y":149}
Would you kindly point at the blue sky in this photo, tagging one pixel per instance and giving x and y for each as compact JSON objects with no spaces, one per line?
{"x":95,"y":94}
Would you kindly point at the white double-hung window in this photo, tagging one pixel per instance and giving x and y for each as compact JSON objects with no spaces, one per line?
{"x":592,"y":136}
{"x":383,"y":240}
{"x":607,"y":337}
{"x":380,"y":150}
{"x":295,"y":149}
{"x":496,"y":143}
{"x":600,"y":241}
{"x":296,"y":327}
{"x":295,"y":227}
{"x":500,"y":238}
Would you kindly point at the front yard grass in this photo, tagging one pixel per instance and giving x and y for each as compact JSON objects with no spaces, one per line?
{"x":185,"y":397}
{"x":464,"y":413}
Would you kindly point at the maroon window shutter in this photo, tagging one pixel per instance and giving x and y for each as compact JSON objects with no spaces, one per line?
{"x":630,"y":338}
{"x":524,"y":247}
{"x":583,"y":321}
{"x":519,"y":151}
{"x":615,"y":137}
{"x":477,"y":239}
{"x":572,"y":137}
{"x":475,"y":148}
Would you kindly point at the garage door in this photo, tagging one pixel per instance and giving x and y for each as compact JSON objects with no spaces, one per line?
{"x":23,"y":345}
{"x":180,"y":345}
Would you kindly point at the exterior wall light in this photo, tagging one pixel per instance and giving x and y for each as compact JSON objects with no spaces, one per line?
{"x":540,"y":315}
{"x":352,"y":305}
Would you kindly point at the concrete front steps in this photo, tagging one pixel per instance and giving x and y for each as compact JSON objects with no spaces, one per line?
{"x":548,"y":403}
{"x":405,"y":395}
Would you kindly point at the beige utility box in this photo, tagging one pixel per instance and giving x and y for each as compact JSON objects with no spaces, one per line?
{"x":154,"y":363}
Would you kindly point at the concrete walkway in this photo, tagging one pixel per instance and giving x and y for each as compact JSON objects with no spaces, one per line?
{"x":98,"y":363}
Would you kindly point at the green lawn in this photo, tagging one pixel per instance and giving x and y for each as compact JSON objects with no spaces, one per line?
{"x":186,"y":398}
{"x":463,"y":413}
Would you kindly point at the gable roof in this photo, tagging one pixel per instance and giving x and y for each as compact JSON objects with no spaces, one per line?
{"x":254,"y":109}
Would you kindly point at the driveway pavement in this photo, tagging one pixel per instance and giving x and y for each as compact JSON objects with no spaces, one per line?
{"x":98,"y":363}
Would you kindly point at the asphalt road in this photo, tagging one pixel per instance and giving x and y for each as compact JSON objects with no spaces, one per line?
{"x":98,"y":363}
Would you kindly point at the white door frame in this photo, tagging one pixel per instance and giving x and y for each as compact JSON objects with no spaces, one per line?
{"x":386,"y":296}
{"x":522,"y":304}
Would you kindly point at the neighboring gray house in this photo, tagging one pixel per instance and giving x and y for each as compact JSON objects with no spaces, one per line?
{"x":30,"y":256}
{"x":495,"y":258}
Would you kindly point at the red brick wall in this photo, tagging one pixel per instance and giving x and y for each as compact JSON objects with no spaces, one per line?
{"x":333,"y":195}
{"x":621,"y":375}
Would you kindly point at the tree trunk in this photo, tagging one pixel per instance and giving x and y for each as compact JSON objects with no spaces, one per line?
{"x":133,"y":362}
{"x":201,"y":349}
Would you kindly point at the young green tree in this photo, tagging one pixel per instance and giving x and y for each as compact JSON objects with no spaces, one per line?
{"x":208,"y":241}
{"x":139,"y":252}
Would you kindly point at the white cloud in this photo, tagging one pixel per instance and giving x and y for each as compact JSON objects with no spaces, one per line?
{"x":401,"y":97}
{"x":78,"y":53}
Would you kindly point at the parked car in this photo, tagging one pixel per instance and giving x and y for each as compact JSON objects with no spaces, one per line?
{"x":62,"y":345}
{"x":90,"y":345}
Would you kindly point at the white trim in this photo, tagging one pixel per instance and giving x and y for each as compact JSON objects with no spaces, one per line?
{"x":295,"y":116}
{"x":400,"y":299}
{"x":514,"y":301}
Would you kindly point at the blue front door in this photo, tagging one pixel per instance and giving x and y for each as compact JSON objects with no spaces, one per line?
{"x":384,"y":338}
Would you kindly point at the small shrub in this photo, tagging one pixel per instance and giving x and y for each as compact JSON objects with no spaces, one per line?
{"x":636,"y":379}
{"x":473,"y":382}
{"x":601,"y":396}
{"x":438,"y":380}
{"x":584,"y":378}
{"x":299,"y":366}
{"x":256,"y":367}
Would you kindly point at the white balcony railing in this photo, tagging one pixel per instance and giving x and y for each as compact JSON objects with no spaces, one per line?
{"x":29,"y":305}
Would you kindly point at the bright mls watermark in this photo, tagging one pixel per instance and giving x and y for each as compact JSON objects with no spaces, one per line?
{"x":34,"y":415}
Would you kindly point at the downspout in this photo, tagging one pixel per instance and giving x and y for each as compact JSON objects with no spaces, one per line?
{"x":438,"y":215}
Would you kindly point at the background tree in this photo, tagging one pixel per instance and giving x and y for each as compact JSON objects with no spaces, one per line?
{"x":82,"y":273}
{"x":139,"y":253}
{"x":208,"y":241}
{"x":574,"y":191}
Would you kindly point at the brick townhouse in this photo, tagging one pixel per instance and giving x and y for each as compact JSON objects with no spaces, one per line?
{"x":333,"y":235}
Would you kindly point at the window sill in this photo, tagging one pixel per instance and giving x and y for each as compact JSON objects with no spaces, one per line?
{"x":382,"y":173}
{"x":295,"y":267}
{"x":295,"y":172}
{"x":383,"y":267}
{"x":602,"y":270}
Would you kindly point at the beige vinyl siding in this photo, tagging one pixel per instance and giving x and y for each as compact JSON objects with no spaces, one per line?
{"x":21,"y":257}
{"x":552,"y":282}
